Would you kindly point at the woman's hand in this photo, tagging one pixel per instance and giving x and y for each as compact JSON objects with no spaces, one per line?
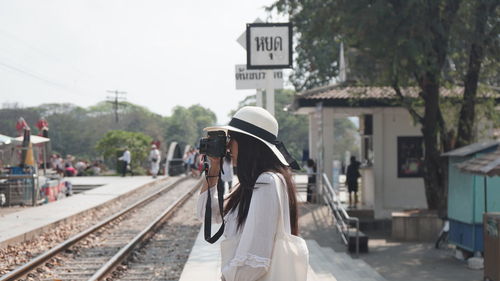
{"x":213,"y":173}
{"x":214,"y":166}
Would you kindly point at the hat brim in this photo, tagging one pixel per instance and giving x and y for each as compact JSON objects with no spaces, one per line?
{"x":273,"y":147}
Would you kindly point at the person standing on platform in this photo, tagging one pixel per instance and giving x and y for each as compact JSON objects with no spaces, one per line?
{"x":311,"y":179}
{"x":59,"y":165}
{"x":260,"y":214}
{"x":125,"y":160}
{"x":154,"y":160}
{"x":227,"y":168}
{"x":352,"y":181}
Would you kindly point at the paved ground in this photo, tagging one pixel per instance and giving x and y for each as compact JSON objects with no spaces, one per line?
{"x":396,"y":261}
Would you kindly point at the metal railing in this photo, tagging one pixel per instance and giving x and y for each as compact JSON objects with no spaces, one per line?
{"x":343,"y":221}
{"x":20,"y":189}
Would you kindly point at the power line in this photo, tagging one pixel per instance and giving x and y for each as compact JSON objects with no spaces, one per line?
{"x":116,"y":101}
{"x":45,"y":54}
{"x":38,"y":77}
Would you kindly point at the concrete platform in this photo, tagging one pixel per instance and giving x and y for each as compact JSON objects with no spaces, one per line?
{"x":204,"y":261}
{"x":25,"y":223}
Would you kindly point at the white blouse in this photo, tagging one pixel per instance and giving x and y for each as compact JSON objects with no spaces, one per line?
{"x":256,"y":236}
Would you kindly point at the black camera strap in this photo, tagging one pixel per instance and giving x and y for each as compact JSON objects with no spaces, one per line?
{"x":208,"y":208}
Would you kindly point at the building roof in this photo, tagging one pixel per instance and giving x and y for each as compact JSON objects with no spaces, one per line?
{"x":364,"y":96}
{"x":5,"y":139}
{"x":472,"y":148}
{"x":34,"y":139}
{"x":488,"y":164}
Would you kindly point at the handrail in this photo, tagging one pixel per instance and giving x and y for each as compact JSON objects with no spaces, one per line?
{"x":342,"y":219}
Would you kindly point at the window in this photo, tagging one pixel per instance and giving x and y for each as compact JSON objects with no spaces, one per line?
{"x":410,"y":157}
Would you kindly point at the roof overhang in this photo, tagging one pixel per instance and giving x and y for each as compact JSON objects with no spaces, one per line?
{"x":34,"y":139}
{"x":368,"y":97}
{"x":485,"y":165}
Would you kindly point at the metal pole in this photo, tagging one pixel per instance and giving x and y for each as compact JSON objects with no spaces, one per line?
{"x":269,"y":91}
{"x":44,"y":155}
{"x":485,"y":194}
{"x":259,"y":98}
{"x":33,"y":196}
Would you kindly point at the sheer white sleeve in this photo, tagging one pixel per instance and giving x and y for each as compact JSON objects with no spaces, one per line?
{"x":202,"y":201}
{"x":253,"y":254}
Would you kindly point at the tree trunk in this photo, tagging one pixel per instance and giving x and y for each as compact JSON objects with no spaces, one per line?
{"x":476,"y":55}
{"x":435,"y":170}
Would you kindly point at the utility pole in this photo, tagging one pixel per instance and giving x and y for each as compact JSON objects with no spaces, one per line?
{"x":116,"y":101}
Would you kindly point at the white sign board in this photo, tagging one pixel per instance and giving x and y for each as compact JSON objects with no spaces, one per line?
{"x":242,"y":40}
{"x":255,"y":79}
{"x":269,"y":45}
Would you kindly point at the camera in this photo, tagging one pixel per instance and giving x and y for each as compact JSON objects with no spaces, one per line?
{"x":214,"y":145}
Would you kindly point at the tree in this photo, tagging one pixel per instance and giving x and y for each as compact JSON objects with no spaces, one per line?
{"x":347,"y":138}
{"x":10,"y":114}
{"x":411,"y":43}
{"x":186,"y":124}
{"x":116,"y":141}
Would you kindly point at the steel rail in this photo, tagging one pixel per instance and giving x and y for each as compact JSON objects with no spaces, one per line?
{"x":31,"y":265}
{"x":142,"y":236}
{"x":340,"y":214}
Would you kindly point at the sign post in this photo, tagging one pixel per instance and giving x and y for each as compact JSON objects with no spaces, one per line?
{"x":258,"y":100}
{"x":269,"y":92}
{"x":269,"y":46}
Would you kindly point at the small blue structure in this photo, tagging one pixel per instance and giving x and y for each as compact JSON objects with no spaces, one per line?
{"x":468,"y":196}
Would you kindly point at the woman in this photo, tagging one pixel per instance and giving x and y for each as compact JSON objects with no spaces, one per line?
{"x":311,"y":178}
{"x":227,"y":174}
{"x":263,"y":203}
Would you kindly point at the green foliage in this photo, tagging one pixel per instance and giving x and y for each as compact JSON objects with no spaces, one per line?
{"x":9,"y":116}
{"x":293,"y":128}
{"x":186,"y":124}
{"x":76,"y":130}
{"x":114,"y":143}
{"x":429,"y":44}
{"x":346,"y":138}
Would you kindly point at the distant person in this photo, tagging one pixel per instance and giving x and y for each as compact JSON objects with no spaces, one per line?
{"x":193,"y":162}
{"x":352,"y":181}
{"x":154,"y":160}
{"x":59,"y":165}
{"x":311,"y":178}
{"x":163,"y":165}
{"x":227,"y":168}
{"x":96,"y":168}
{"x":186,"y":160}
{"x":190,"y":159}
{"x":43,"y":127}
{"x":80,"y":167}
{"x":125,"y":162}
{"x":69,"y":170}
{"x":21,"y":125}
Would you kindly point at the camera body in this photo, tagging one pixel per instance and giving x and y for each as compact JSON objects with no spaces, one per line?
{"x":214,"y":145}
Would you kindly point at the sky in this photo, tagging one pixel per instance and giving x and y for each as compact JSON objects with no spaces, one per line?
{"x":163,"y":53}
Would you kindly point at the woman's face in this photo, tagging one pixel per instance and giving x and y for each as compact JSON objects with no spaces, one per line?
{"x":233,"y":149}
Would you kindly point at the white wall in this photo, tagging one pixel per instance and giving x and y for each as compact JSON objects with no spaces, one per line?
{"x":390,"y":193}
{"x":398,"y":193}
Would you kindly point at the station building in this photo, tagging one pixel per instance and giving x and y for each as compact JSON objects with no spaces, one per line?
{"x":391,"y":141}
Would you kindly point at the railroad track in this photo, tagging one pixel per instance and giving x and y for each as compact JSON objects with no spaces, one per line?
{"x":95,"y":252}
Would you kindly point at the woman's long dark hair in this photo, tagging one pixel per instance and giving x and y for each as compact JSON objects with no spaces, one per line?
{"x":255,"y":158}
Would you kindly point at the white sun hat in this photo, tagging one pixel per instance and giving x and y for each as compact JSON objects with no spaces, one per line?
{"x":260,"y":124}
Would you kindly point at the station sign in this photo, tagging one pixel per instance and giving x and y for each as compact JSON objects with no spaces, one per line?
{"x":256,"y":79}
{"x":269,"y":45}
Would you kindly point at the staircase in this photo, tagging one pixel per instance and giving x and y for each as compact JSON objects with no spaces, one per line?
{"x":328,"y":265}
